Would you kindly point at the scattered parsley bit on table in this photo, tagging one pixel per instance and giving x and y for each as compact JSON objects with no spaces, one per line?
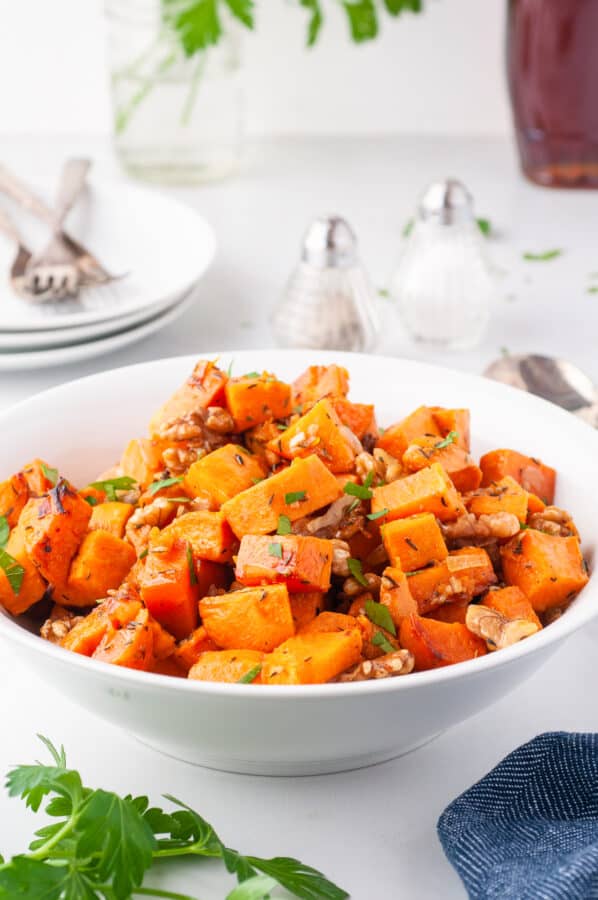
{"x":542,"y":257}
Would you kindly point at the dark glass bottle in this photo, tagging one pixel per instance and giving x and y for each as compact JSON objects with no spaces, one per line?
{"x":552,"y":60}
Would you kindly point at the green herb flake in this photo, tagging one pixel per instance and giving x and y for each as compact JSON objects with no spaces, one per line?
{"x":380,"y":640}
{"x":284,"y":525}
{"x":354,"y":505}
{"x":543,"y":257}
{"x":4,"y":531}
{"x":13,"y":570}
{"x":377,"y":515}
{"x":275,"y":549}
{"x":360,"y":490}
{"x":251,"y":375}
{"x":485,"y":226}
{"x":191,"y":565}
{"x":295,"y":497}
{"x":593,"y":289}
{"x":93,"y":501}
{"x":447,"y":441}
{"x":50,"y":473}
{"x":257,"y":480}
{"x":250,"y":676}
{"x":112,"y":485}
{"x":380,"y":616}
{"x":229,"y":370}
{"x":384,"y":292}
{"x":166,"y":482}
{"x":356,"y":571}
{"x":143,"y":553}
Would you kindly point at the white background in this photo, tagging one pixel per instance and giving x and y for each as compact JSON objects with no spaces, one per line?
{"x":438,"y":73}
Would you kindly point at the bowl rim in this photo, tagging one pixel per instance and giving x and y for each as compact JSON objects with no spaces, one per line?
{"x":577,"y":615}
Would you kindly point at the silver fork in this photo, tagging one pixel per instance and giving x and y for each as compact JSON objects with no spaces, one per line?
{"x":19,"y":264}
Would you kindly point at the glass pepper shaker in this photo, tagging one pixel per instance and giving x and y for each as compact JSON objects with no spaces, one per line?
{"x":328,"y":301}
{"x":443,"y":285}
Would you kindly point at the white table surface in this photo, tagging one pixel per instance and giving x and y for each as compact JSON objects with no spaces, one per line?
{"x":372,"y":831}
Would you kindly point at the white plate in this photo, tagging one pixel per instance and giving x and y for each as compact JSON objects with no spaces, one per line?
{"x":297,"y":729}
{"x":162,"y":245}
{"x":59,"y":356}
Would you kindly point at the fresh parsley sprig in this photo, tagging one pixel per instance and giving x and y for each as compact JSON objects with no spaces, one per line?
{"x":100,"y":846}
{"x":111,"y":485}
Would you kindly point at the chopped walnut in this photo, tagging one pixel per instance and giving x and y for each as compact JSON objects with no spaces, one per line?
{"x":178,"y":459}
{"x":336,"y":518}
{"x":219,"y":420}
{"x":305,"y":440}
{"x":468,"y":529}
{"x":198,"y":432}
{"x":352,"y":587}
{"x":59,"y":624}
{"x":340,"y":555}
{"x":555,"y":521}
{"x":156,"y":514}
{"x":384,"y":466}
{"x":497,"y":630}
{"x":400,"y":662}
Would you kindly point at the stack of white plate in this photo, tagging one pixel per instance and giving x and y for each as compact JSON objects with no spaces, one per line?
{"x":159,"y":247}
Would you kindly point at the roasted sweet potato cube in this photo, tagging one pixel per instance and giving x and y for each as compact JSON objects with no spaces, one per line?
{"x":111,"y":516}
{"x":142,"y":460}
{"x":414,"y":542}
{"x":253,"y":398}
{"x":14,"y":493}
{"x":359,"y":417}
{"x":333,"y":622}
{"x":53,"y":527}
{"x":131,"y":646}
{"x":312,"y":658}
{"x":450,"y":612}
{"x":250,"y":619}
{"x":505,"y":495}
{"x":21,"y":584}
{"x":329,"y":622}
{"x":429,"y":490}
{"x":454,"y":459}
{"x":462,"y":575}
{"x":549,"y":570}
{"x":305,"y":606}
{"x":533,"y":475}
{"x":208,"y":533}
{"x":397,"y":437}
{"x":436,"y":644}
{"x":169,"y":588}
{"x":318,"y":382}
{"x":189,"y":650}
{"x":395,"y":593}
{"x":223,"y":474}
{"x":111,"y":615}
{"x":319,"y":431}
{"x":453,"y":420}
{"x":228,"y":665}
{"x":512,"y":603}
{"x":203,"y":388}
{"x":102,"y":562}
{"x":302,"y":563}
{"x":305,"y":486}
{"x":37,"y":475}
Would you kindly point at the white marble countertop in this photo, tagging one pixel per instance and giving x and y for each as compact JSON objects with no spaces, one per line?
{"x":372,"y":831}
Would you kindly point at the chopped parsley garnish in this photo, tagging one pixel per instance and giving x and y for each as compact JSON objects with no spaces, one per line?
{"x":4,"y":531}
{"x":166,"y":482}
{"x":275,"y":550}
{"x":294,"y":497}
{"x":356,"y":571}
{"x":91,"y":500}
{"x":252,"y":375}
{"x":447,"y":441}
{"x":250,"y":676}
{"x":360,"y":490}
{"x":13,"y":570}
{"x":191,"y":565}
{"x":380,"y":616}
{"x":257,"y":480}
{"x":542,"y":257}
{"x":284,"y":525}
{"x":380,"y":640}
{"x":50,"y":473}
{"x":377,"y":515}
{"x":112,"y":485}
{"x":229,"y":371}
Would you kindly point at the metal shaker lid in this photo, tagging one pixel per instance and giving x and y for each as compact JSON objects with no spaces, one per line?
{"x":446,"y":202}
{"x":329,"y":242}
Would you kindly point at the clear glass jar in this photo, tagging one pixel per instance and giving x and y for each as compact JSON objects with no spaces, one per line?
{"x":177,"y":119}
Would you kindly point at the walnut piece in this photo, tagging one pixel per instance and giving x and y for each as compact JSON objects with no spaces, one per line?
{"x":496,"y":629}
{"x":400,"y":662}
{"x":555,"y":521}
{"x":156,"y":514}
{"x":384,"y":466}
{"x":59,"y":624}
{"x":471,"y":529}
{"x":353,"y":588}
{"x":340,"y":555}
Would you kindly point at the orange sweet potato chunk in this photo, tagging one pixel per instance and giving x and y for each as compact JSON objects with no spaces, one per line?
{"x":359,"y":417}
{"x":318,"y":382}
{"x":253,"y":399}
{"x":463,"y":575}
{"x":330,"y":622}
{"x":549,"y":570}
{"x":142,"y":460}
{"x":36,"y":477}
{"x":512,"y":604}
{"x":395,"y":593}
{"x":414,"y":542}
{"x":505,"y":495}
{"x":227,"y":665}
{"x":319,"y":431}
{"x":454,"y":459}
{"x":131,"y":646}
{"x":450,"y":612}
{"x":312,"y":658}
{"x":203,"y":388}
{"x":302,"y":563}
{"x":188,"y":651}
{"x":102,"y":562}
{"x":15,"y":597}
{"x":111,"y":516}
{"x":456,"y":420}
{"x":429,"y":490}
{"x":14,"y":493}
{"x":53,"y":527}
{"x":250,"y":619}
{"x":305,"y":606}
{"x":533,"y":475}
{"x":111,"y":615}
{"x":436,"y":644}
{"x":397,"y":437}
{"x":168,"y":586}
{"x":223,"y":474}
{"x":208,"y":533}
{"x":305,"y":486}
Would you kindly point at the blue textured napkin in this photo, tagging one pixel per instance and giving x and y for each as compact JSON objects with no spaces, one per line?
{"x":529,"y":829}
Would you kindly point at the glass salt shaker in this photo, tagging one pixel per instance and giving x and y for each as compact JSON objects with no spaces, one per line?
{"x":329,"y":300}
{"x":443,"y":284}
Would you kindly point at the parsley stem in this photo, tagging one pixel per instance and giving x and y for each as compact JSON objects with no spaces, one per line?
{"x":186,"y":850}
{"x":193,"y":88}
{"x":44,"y":851}
{"x":156,"y":892}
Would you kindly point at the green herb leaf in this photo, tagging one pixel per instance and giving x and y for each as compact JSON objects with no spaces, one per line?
{"x":485,"y":226}
{"x":256,"y":888}
{"x":195,"y":21}
{"x":257,"y":480}
{"x":250,"y":676}
{"x":91,"y":500}
{"x":13,"y":570}
{"x":395,"y":7}
{"x":112,"y":485}
{"x":242,"y":10}
{"x":377,"y":515}
{"x":356,"y":571}
{"x":143,"y":553}
{"x":315,"y":21}
{"x":4,"y":531}
{"x":299,"y":879}
{"x":593,"y":289}
{"x":51,"y":474}
{"x":447,"y":441}
{"x":542,"y":257}
{"x":354,"y":505}
{"x":191,"y":564}
{"x":156,"y":486}
{"x":363,"y":20}
{"x":229,"y":370}
{"x":36,"y":880}
{"x":380,"y":615}
{"x":275,"y":550}
{"x":380,"y":640}
{"x":358,"y":490}
{"x":251,"y":375}
{"x":294,"y":497}
{"x":284,"y":525}
{"x":383,"y":292}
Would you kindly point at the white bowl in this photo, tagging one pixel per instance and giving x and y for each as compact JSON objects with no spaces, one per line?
{"x":82,"y":427}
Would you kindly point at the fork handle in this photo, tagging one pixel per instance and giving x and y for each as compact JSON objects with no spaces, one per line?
{"x":18,"y":191}
{"x":72,"y":181}
{"x":8,"y":227}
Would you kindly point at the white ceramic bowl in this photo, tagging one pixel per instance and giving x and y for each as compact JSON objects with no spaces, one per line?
{"x":82,"y":427}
